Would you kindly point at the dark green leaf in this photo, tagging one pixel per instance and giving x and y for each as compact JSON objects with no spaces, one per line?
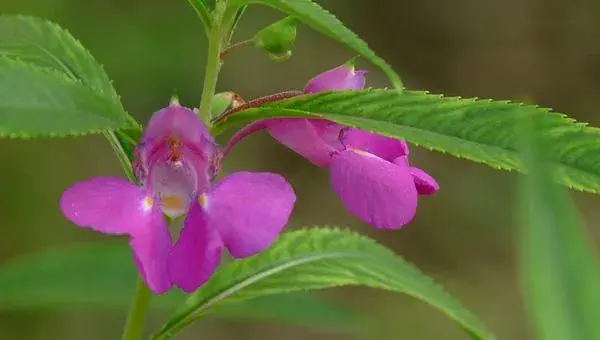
{"x":46,"y":44}
{"x":38,"y":101}
{"x":318,"y":258}
{"x":560,"y":266}
{"x":483,"y":131}
{"x":326,"y":23}
{"x":102,"y":277}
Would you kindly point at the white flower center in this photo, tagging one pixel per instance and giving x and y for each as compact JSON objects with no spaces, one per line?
{"x":174,"y":184}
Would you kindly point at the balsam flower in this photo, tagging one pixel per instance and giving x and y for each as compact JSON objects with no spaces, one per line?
{"x":370,"y":173}
{"x":175,"y":165}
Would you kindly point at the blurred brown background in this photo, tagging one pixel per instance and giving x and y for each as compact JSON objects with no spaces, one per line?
{"x":542,"y":51}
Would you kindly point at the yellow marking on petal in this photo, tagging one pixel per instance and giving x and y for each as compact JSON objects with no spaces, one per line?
{"x":173,"y":203}
{"x":148,"y":203}
{"x":203,"y":201}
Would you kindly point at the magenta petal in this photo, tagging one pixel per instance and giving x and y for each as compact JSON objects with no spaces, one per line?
{"x":379,"y":192}
{"x":176,"y":121}
{"x":303,"y":137}
{"x":197,"y":252}
{"x":115,"y":206}
{"x":426,"y":185}
{"x":381,"y":146}
{"x":108,"y":205}
{"x":340,"y":78}
{"x":249,"y":210}
{"x":151,"y":247}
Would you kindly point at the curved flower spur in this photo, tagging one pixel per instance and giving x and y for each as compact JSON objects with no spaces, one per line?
{"x":369,"y":172}
{"x":175,"y":164}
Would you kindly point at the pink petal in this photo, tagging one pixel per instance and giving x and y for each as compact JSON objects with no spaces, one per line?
{"x":379,"y":192}
{"x":381,"y":146}
{"x":176,"y":121}
{"x":197,"y":252}
{"x":151,"y":247}
{"x":343,"y":77}
{"x":303,"y":137}
{"x":402,"y":161}
{"x":115,"y":206}
{"x":250,"y":210}
{"x":108,"y":205}
{"x":426,"y":185}
{"x":172,"y":132}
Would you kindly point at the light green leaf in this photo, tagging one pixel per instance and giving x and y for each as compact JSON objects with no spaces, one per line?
{"x":46,"y":44}
{"x":483,"y":131}
{"x":317,"y":258}
{"x":38,"y":101}
{"x":93,"y":277}
{"x":560,"y":266}
{"x":326,"y":23}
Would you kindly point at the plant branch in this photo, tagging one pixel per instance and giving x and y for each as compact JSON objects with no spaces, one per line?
{"x":213,"y":60}
{"x":134,"y":326}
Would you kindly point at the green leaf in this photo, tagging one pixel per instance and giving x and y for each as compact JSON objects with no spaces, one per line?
{"x":483,"y":131}
{"x":93,"y":277}
{"x":560,"y":266}
{"x":317,"y":258}
{"x":326,"y":23}
{"x":37,"y":101}
{"x":46,"y":44}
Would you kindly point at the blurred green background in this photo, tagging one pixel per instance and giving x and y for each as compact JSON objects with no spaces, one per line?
{"x":542,"y":51}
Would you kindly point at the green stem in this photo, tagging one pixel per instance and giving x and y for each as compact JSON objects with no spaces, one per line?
{"x":213,"y":60}
{"x":235,"y":47}
{"x":134,"y":326}
{"x":213,"y":65}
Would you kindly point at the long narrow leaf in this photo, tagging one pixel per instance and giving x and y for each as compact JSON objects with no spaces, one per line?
{"x":318,"y":258}
{"x":483,"y":131}
{"x":560,"y":266}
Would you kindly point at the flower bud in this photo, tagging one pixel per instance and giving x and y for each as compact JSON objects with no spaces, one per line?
{"x":278,"y":38}
{"x":225,"y":101}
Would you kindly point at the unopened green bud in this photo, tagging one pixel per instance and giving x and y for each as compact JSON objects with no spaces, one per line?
{"x":225,"y":101}
{"x":278,"y":38}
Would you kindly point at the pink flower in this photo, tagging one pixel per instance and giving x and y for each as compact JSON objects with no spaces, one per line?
{"x":175,"y":164}
{"x":370,"y":173}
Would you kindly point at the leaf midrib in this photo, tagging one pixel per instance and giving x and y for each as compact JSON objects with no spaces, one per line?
{"x":503,"y":164}
{"x":295,"y":113}
{"x":51,"y":109}
{"x":69,"y":72}
{"x":259,"y":275}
